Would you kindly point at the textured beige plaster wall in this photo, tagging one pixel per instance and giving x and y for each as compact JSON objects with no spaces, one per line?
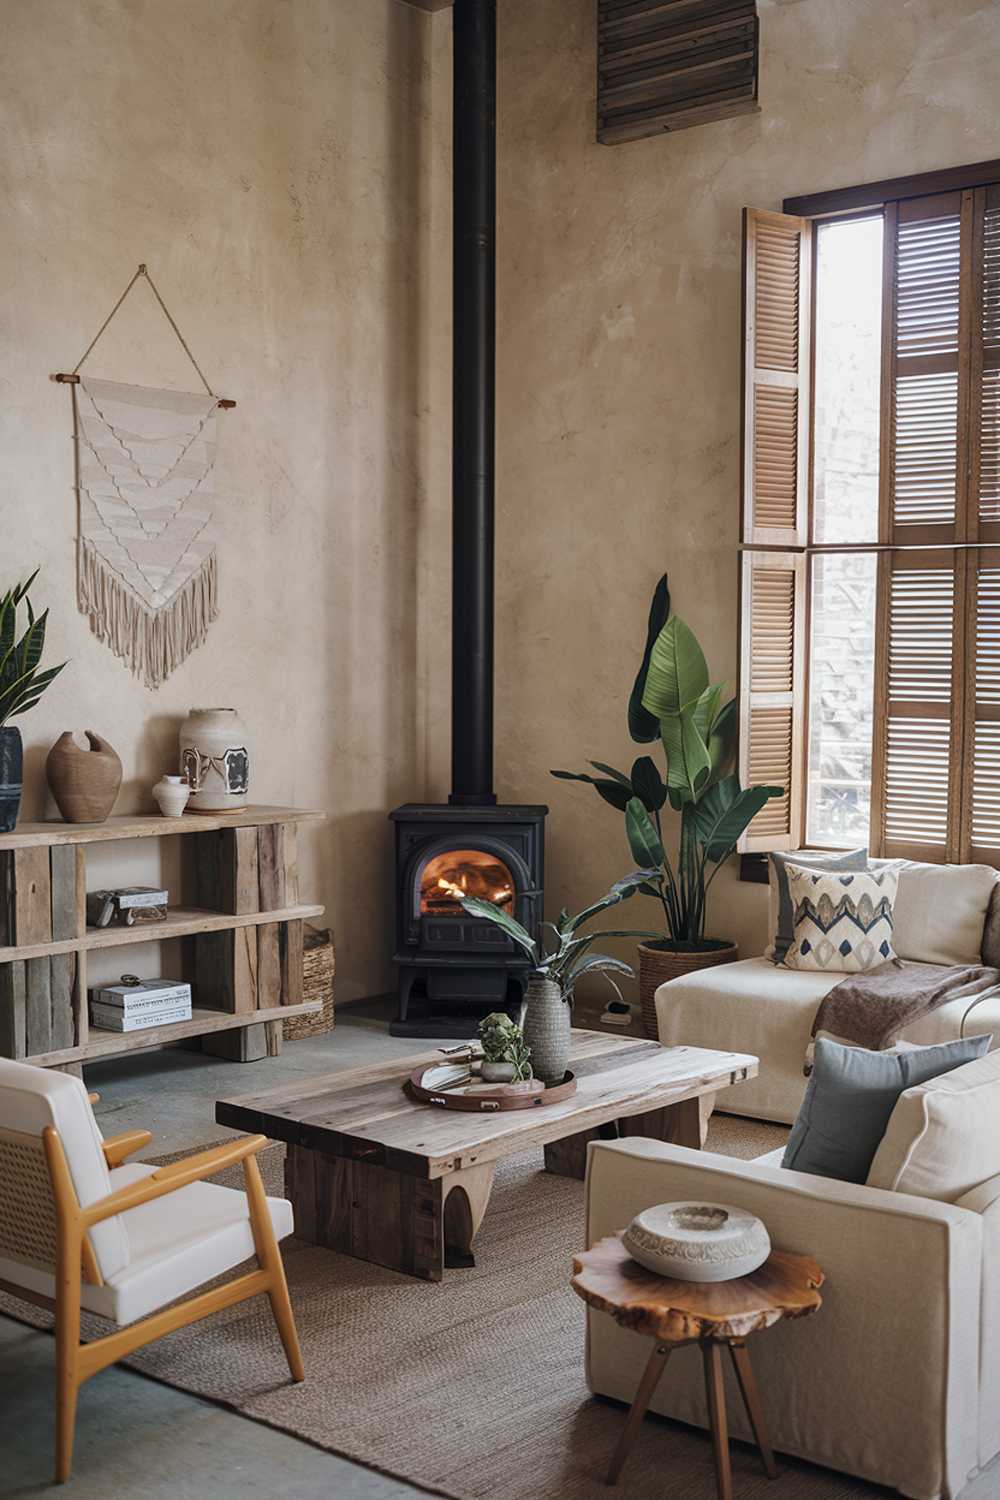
{"x":268,"y":159}
{"x":619,"y":357}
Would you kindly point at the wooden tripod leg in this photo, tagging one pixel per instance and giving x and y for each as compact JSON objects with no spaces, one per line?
{"x":716,"y":1392}
{"x":740,"y":1355}
{"x":647,"y":1385}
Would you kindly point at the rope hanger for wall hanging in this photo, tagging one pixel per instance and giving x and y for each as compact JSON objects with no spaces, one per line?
{"x":73,"y":376}
{"x":147,"y":571}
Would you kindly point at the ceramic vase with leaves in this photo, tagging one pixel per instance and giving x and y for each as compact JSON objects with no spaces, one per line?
{"x":547,"y":1028}
{"x":22,"y":683}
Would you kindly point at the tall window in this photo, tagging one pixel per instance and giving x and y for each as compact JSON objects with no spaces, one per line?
{"x":870,"y":619}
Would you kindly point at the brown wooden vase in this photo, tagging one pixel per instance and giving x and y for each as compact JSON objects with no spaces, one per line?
{"x":84,"y":782}
{"x":657,"y":965}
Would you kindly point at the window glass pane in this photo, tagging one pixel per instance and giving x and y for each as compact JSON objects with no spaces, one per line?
{"x":848,"y":362}
{"x":841,"y":683}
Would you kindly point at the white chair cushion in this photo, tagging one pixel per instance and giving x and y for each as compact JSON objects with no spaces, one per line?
{"x":943,"y":1136}
{"x":32,"y":1098}
{"x":177,"y":1243}
{"x":940,"y":911}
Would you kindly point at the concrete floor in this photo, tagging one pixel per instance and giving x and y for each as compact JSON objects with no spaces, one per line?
{"x":137,"y":1438}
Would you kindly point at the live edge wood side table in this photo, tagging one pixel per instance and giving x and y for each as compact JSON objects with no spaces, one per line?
{"x":711,"y":1314}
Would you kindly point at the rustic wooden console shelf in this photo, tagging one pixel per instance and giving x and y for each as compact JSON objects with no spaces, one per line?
{"x":241,"y":922}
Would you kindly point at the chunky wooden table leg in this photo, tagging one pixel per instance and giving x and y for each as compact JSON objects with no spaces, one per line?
{"x":716,"y":1393}
{"x":740,"y":1356}
{"x":647,"y":1385}
{"x":465,"y":1195}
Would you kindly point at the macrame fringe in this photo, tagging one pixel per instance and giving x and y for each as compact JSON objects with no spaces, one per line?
{"x":152,"y":643}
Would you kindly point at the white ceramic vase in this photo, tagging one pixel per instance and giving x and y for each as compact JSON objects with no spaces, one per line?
{"x":215,"y":760}
{"x":171,"y":793}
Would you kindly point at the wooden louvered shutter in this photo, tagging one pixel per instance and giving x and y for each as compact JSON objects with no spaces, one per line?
{"x":776,"y":328}
{"x":772,"y":692}
{"x":984,"y":418}
{"x":916,"y":785}
{"x":925,"y":369}
{"x":776,"y":316}
{"x":981,"y":760}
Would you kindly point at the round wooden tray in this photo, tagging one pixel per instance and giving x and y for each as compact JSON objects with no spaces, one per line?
{"x":486,"y":1101}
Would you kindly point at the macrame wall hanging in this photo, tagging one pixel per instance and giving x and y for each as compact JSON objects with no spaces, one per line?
{"x":147,"y":571}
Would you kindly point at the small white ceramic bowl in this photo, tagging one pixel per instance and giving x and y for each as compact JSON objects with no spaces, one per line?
{"x":697,"y":1241}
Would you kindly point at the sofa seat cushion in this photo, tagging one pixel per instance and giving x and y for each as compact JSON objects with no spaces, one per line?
{"x":749,"y":1006}
{"x":176,"y":1244}
{"x":943,"y":1137}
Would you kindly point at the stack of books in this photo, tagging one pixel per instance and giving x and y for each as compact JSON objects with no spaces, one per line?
{"x":132,"y":1007}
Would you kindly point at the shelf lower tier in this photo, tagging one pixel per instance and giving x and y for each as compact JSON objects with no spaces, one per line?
{"x":182,"y":921}
{"x":202,"y":1023}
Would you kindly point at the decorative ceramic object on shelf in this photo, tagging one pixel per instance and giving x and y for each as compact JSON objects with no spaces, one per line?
{"x":547,"y":1028}
{"x":84,"y":780}
{"x":214,"y":758}
{"x":10,"y":777}
{"x":171,"y":793}
{"x":22,"y":683}
{"x":697,"y":1241}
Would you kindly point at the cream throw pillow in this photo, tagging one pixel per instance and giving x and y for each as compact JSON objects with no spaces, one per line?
{"x":943,"y":1136}
{"x":843,"y":921}
{"x":940,"y":910}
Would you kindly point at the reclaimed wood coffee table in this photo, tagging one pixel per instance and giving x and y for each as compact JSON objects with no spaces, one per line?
{"x":374,"y":1174}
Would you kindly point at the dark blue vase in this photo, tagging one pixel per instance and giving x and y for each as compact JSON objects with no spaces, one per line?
{"x":10,"y":777}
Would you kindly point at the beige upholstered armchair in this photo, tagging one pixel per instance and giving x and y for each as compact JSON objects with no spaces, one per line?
{"x":78,"y":1229}
{"x":897,"y":1377}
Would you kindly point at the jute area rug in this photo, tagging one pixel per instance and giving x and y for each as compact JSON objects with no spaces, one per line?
{"x":473,"y":1388}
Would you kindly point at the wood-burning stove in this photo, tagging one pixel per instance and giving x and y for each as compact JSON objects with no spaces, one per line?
{"x":458,"y":967}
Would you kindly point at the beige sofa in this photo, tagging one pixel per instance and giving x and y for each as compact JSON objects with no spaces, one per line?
{"x":897,"y":1379}
{"x":944,"y":914}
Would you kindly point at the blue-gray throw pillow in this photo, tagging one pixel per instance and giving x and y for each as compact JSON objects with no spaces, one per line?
{"x":784,"y":931}
{"x":851,"y":1094}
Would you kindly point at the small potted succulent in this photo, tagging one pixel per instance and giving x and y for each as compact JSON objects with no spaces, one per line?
{"x":547,"y":1021}
{"x":22,"y":683}
{"x":506,"y":1058}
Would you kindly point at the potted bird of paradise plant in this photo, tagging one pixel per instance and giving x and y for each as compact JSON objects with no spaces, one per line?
{"x":674,"y":702}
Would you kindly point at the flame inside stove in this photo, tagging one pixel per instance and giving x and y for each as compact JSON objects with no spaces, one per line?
{"x":464,"y":872}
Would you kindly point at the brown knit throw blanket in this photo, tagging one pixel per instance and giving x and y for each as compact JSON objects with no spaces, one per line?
{"x":872,"y":1008}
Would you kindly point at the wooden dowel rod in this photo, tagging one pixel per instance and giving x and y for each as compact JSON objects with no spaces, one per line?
{"x":65,"y":379}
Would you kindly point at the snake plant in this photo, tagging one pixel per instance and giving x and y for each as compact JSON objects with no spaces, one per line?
{"x":22,"y":682}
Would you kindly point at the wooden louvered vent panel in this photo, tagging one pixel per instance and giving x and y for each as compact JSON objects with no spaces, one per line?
{"x":926,"y":333}
{"x":985,"y":792}
{"x":916,"y":784}
{"x":771,"y":681}
{"x":667,"y":64}
{"x":986,"y":419}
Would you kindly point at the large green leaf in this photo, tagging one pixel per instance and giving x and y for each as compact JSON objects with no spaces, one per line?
{"x":601,"y":963}
{"x":617,"y":793}
{"x":725,"y":811}
{"x":643,"y":839}
{"x":688,"y":761}
{"x":30,"y":650}
{"x":648,"y":784}
{"x":476,"y":907}
{"x":620,"y":891}
{"x":706,"y":710}
{"x":605,"y":770}
{"x":722,"y":740}
{"x":677,"y":674}
{"x":642,"y":725}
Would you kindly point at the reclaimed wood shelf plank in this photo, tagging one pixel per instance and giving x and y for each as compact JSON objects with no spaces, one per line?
{"x":149,"y":825}
{"x":182,"y":921}
{"x":203,"y":1022}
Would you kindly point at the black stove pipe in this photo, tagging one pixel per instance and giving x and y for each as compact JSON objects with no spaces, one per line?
{"x":473,"y":401}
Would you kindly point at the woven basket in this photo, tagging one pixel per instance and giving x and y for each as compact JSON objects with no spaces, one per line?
{"x":318,"y":966}
{"x":657,"y":965}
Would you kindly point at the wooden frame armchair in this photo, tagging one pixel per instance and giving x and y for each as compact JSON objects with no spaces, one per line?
{"x":82,"y":1230}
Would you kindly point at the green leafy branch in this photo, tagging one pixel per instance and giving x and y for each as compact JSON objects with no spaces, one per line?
{"x":22,"y":682}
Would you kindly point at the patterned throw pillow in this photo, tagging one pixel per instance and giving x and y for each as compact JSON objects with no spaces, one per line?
{"x":843,"y":921}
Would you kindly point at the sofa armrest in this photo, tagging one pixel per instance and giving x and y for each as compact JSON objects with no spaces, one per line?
{"x":985,"y":1201}
{"x":883,"y":1381}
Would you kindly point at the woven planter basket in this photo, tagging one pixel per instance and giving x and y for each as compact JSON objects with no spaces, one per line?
{"x":657,"y":965}
{"x":318,"y":967}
